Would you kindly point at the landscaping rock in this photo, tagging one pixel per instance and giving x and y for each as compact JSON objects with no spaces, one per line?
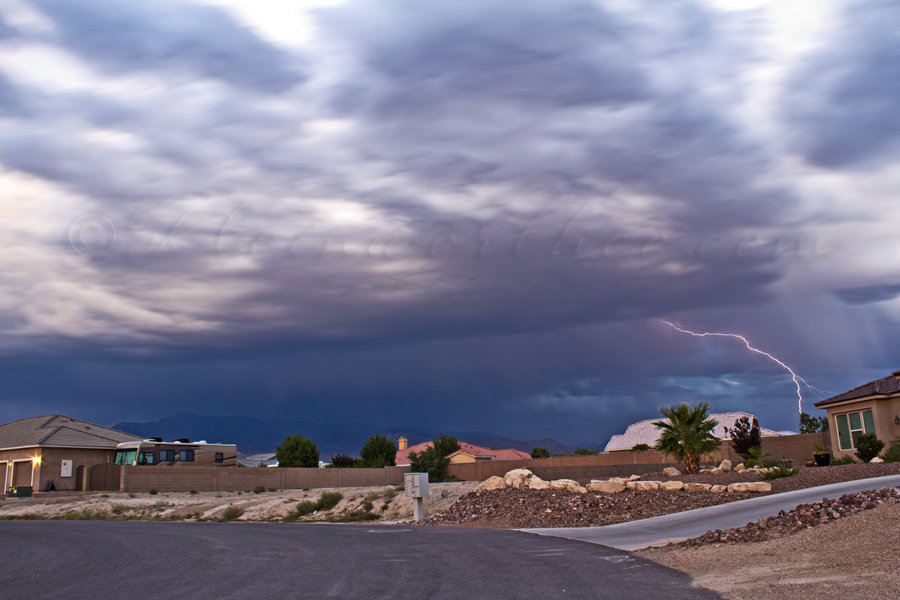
{"x":697,"y":487}
{"x":567,"y":484}
{"x":740,"y":467}
{"x":716,"y":471}
{"x":536,"y":483}
{"x":493,"y":483}
{"x":725,"y":465}
{"x":518,"y":478}
{"x":719,"y":489}
{"x":671,"y":472}
{"x":877,"y":460}
{"x":642,"y":486}
{"x":750,"y":486}
{"x":606,"y":487}
{"x":671,"y":486}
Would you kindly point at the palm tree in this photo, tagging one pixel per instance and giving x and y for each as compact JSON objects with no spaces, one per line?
{"x":687,"y":434}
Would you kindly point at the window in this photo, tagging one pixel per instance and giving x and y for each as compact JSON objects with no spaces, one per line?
{"x":220,"y":457}
{"x":166,"y":455}
{"x":852,"y":425}
{"x":125,"y":457}
{"x":186,"y":456}
{"x":147,"y":458}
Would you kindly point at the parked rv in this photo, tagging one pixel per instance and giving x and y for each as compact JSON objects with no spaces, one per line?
{"x":181,"y":452}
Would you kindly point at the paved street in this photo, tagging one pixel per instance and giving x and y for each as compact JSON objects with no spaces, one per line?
{"x":94,"y":560}
{"x":679,"y":526}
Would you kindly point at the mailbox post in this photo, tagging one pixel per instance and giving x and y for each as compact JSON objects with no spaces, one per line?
{"x":416,"y":485}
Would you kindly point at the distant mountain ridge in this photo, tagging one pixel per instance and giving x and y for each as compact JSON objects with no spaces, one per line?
{"x":253,"y":436}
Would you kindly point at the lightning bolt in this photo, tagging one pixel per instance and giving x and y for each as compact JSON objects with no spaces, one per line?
{"x":796,"y":378}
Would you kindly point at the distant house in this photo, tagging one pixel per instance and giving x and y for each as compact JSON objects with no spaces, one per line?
{"x":645,"y":432}
{"x":56,"y":448}
{"x":873,"y":407}
{"x":254,"y":460}
{"x":467,"y":453}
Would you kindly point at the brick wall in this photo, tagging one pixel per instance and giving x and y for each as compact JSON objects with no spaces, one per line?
{"x":224,"y":479}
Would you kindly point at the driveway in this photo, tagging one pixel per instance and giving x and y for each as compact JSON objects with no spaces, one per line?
{"x":99,"y":560}
{"x":659,"y":531}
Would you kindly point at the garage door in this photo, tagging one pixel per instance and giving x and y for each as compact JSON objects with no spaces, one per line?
{"x":22,"y":473}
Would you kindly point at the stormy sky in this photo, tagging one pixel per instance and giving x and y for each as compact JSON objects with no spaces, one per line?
{"x":456,"y":215}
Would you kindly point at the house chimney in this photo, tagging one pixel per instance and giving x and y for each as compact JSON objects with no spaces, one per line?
{"x":402,"y":442}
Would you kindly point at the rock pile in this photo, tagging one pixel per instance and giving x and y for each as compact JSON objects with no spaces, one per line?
{"x":804,"y":516}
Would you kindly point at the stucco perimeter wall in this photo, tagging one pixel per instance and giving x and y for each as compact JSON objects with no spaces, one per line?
{"x":226,"y":479}
{"x":798,"y":448}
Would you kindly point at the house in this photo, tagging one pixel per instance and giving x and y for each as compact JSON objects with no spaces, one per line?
{"x":55,"y":448}
{"x":873,"y":407}
{"x":645,"y":432}
{"x":255,"y":460}
{"x":467,"y":453}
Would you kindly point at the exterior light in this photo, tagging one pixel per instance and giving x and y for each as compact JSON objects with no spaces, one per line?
{"x":897,"y":420}
{"x":36,"y":460}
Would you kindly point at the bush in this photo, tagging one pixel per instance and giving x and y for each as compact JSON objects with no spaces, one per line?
{"x":434,"y":459}
{"x":193,"y":492}
{"x":152,"y":491}
{"x":538,"y":452}
{"x":232,"y":512}
{"x":893,"y":453}
{"x":844,"y":460}
{"x":259,"y":489}
{"x":388,"y":493}
{"x":782,"y":469}
{"x":586,"y":452}
{"x":756,"y":456}
{"x":367,"y":506}
{"x":297,"y":451}
{"x":306,"y":507}
{"x":744,"y":435}
{"x":868,"y":446}
{"x":379,"y":451}
{"x":810,"y":424}
{"x":272,"y":490}
{"x":118,"y":509}
{"x":342,"y":461}
{"x":329,"y":500}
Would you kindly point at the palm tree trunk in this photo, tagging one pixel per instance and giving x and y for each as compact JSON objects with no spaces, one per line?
{"x":691,"y":463}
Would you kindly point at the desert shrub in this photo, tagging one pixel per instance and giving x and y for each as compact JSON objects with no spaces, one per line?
{"x":153,"y":491}
{"x":868,"y":446}
{"x":329,"y":500}
{"x":161,"y":505}
{"x":272,"y":490}
{"x":297,"y":451}
{"x":372,"y":496}
{"x":784,"y":468}
{"x":193,"y":492}
{"x":893,"y":453}
{"x":306,"y":507}
{"x":79,"y":515}
{"x":388,"y":493}
{"x":104,"y":495}
{"x":232,"y":512}
{"x":259,"y":489}
{"x":400,"y":487}
{"x":538,"y":452}
{"x":744,"y":435}
{"x":342,"y":461}
{"x":640,"y":448}
{"x":844,"y":460}
{"x":356,"y":516}
{"x":367,"y":506}
{"x":756,"y":457}
{"x":379,"y":451}
{"x":118,"y":509}
{"x":130,"y":495}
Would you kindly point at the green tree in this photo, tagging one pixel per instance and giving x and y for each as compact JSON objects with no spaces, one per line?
{"x":640,"y":448}
{"x":810,"y":424}
{"x":297,"y":451}
{"x":744,"y":435}
{"x":687,"y":434}
{"x":538,"y":452}
{"x":586,"y":452}
{"x":379,"y":451}
{"x":434,"y":459}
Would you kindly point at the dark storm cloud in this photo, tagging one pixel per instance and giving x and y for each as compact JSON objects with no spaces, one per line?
{"x":869,"y":294}
{"x":171,"y":36}
{"x":842,"y":105}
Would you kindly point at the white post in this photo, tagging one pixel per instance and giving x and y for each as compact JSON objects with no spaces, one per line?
{"x":419,"y":509}
{"x":416,"y":485}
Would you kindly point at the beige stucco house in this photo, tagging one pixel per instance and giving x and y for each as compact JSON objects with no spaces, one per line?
{"x":870,"y":408}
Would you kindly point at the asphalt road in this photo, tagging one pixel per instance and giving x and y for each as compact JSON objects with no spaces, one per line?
{"x":693,"y":523}
{"x":100,"y":560}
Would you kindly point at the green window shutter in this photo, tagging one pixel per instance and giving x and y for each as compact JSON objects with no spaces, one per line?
{"x":843,"y":432}
{"x":869,"y":421}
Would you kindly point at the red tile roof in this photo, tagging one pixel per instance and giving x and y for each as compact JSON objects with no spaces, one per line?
{"x":467,"y":448}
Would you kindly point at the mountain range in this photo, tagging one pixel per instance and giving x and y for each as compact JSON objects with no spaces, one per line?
{"x":253,"y":436}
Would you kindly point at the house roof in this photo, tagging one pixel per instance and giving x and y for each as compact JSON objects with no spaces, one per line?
{"x":60,"y":430}
{"x":879,"y":387}
{"x":466,"y":448}
{"x":645,"y":432}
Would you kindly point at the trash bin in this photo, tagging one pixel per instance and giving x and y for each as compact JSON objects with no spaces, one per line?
{"x":23,"y":491}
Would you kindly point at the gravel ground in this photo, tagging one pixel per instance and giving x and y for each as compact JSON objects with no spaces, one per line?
{"x":514,"y":508}
{"x":853,"y":558}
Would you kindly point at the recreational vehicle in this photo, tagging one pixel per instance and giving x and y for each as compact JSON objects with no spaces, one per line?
{"x":181,"y":452}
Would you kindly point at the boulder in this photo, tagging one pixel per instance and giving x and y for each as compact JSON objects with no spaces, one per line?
{"x":518,"y":478}
{"x":493,"y":483}
{"x":562,"y":484}
{"x":536,"y":483}
{"x":716,"y":471}
{"x":740,"y":467}
{"x":622,"y":479}
{"x":742,"y":470}
{"x":725,"y":465}
{"x":877,"y":459}
{"x":697,"y":487}
{"x":606,"y":487}
{"x":642,"y":486}
{"x":671,"y":486}
{"x":634,"y":478}
{"x":577,"y":488}
{"x":671,"y":472}
{"x":706,"y":471}
{"x":719,"y":489}
{"x":750,"y":486}
{"x":762,"y":470}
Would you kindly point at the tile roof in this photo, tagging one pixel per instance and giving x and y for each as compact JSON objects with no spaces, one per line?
{"x":467,"y":448}
{"x":60,"y":430}
{"x":644,"y":432}
{"x":879,"y":387}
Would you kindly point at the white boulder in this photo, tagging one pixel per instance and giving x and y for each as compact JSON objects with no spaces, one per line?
{"x":750,"y":486}
{"x":518,"y":478}
{"x":671,"y":472}
{"x":697,"y":487}
{"x":671,"y":486}
{"x":642,"y":486}
{"x":725,"y":465}
{"x":877,"y":459}
{"x":718,"y":489}
{"x":493,"y":483}
{"x":606,"y":487}
{"x":536,"y":483}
